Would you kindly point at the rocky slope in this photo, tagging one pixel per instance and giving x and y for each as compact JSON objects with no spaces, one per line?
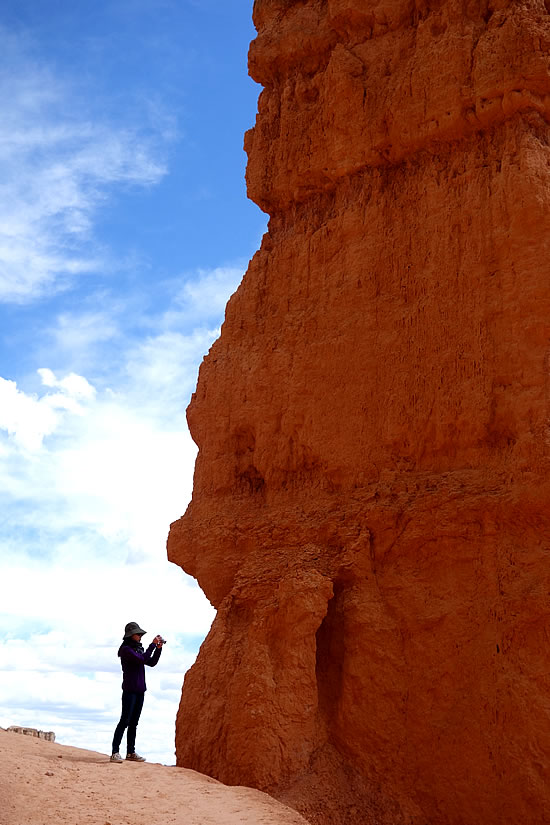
{"x":370,"y":513}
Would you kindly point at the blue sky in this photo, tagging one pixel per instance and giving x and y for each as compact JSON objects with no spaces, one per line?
{"x":124,"y":228}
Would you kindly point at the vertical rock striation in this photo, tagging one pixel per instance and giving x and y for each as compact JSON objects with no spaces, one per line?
{"x":371,"y":509}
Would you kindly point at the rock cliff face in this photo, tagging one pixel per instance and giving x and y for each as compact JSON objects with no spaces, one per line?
{"x":371,"y":509}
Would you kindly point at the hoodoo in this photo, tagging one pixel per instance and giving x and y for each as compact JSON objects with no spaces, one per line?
{"x":371,"y":508}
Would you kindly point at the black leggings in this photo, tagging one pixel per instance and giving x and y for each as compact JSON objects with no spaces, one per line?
{"x":132,"y":704}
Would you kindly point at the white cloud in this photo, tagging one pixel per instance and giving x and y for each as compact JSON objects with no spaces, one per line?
{"x":24,"y":418}
{"x":106,"y":462}
{"x":79,"y":698}
{"x":206,"y":294}
{"x":59,"y":162}
{"x":86,"y":515}
{"x":95,"y":456}
{"x":68,"y":679}
{"x":84,"y":554}
{"x":74,"y":385}
{"x":28,"y":419}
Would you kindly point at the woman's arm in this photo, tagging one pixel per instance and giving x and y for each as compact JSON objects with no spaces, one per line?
{"x":152,"y":654}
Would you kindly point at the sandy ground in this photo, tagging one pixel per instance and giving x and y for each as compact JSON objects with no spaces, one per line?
{"x":42,"y":783}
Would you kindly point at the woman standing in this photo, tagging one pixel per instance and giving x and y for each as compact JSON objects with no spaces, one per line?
{"x":133,"y":659}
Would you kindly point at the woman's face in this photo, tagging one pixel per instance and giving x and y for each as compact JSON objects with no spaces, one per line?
{"x":136,"y":637}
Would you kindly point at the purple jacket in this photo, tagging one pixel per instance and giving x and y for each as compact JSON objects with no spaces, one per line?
{"x":133,"y":661}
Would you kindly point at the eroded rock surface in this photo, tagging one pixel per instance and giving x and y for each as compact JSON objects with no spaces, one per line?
{"x":49,"y":735}
{"x":371,"y":513}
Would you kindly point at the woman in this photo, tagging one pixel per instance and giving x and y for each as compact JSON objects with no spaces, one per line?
{"x":133,"y":659}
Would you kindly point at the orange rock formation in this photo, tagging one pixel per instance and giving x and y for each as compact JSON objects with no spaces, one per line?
{"x":371,"y":509}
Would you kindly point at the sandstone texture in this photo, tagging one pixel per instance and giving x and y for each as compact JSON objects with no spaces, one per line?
{"x":371,"y":507}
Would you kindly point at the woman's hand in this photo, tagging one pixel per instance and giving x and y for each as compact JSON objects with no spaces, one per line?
{"x":158,"y":641}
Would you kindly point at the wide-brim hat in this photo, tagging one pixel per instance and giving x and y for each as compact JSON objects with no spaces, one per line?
{"x":131,"y":628}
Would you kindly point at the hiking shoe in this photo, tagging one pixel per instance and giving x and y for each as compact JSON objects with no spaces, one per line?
{"x":116,"y":757}
{"x":135,"y":757}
